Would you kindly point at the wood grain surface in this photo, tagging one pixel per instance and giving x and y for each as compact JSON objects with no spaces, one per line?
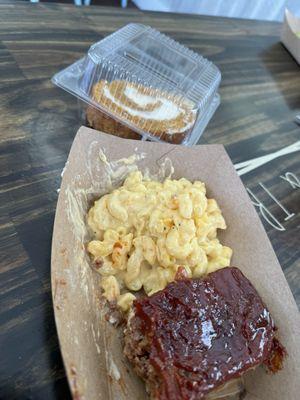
{"x":260,"y":98}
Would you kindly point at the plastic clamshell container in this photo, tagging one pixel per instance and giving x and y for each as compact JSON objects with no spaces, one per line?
{"x":147,"y":83}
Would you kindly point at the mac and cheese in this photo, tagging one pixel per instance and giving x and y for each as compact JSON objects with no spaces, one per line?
{"x":147,"y":231}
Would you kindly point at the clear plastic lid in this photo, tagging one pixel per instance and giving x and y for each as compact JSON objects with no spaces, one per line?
{"x":147,"y":82}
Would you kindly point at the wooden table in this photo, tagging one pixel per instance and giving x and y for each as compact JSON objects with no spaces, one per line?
{"x":260,"y":93}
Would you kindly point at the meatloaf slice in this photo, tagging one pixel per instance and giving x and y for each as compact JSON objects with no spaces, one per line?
{"x":196,"y":335}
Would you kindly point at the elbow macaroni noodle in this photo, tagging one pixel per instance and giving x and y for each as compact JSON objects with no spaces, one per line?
{"x":145,"y":230}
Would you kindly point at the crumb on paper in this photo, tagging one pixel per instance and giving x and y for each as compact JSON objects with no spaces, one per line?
{"x":132,"y":159}
{"x":75,"y":210}
{"x":96,"y":339}
{"x":59,"y":294}
{"x":166,"y":169}
{"x":64,"y":169}
{"x":113,"y":370}
{"x":112,"y":319}
{"x":76,"y":393}
{"x":97,"y":348}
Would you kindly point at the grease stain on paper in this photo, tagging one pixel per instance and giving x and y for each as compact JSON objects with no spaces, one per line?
{"x":102,"y":176}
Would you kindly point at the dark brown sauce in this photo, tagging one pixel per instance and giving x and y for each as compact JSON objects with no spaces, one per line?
{"x":204,"y":332}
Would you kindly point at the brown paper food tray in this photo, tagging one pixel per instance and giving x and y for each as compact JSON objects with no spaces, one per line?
{"x":91,"y":347}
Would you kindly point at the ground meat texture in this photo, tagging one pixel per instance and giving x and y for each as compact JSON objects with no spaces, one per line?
{"x":197,"y":334}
